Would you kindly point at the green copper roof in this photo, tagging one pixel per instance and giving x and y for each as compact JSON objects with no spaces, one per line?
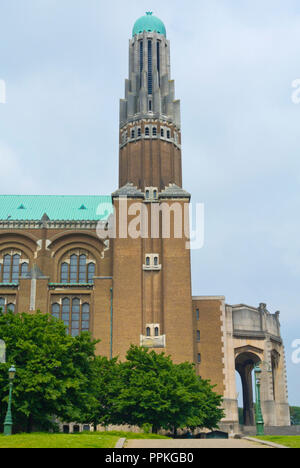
{"x":149,"y":23}
{"x":57,"y":208}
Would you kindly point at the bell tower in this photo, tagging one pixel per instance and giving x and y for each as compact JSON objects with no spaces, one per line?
{"x":152,"y":302}
{"x":150,"y":136}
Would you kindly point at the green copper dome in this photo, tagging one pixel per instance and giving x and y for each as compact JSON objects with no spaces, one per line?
{"x":149,"y":23}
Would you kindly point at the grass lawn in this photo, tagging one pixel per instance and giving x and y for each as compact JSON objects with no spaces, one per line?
{"x":83,"y":440}
{"x":287,"y":441}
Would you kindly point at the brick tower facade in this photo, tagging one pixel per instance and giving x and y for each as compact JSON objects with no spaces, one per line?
{"x":152,"y":296}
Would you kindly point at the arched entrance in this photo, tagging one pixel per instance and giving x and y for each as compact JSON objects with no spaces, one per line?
{"x":244,"y":364}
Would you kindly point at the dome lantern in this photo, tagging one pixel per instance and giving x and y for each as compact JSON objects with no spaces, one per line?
{"x":149,"y":23}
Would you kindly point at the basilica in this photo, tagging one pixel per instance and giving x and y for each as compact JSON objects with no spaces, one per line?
{"x":137,"y":289}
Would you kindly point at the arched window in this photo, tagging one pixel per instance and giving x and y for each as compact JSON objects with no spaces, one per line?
{"x":64,"y":273}
{"x":6,"y":268}
{"x":85,"y":318}
{"x":147,"y":131}
{"x":155,"y":261}
{"x":168,"y":134}
{"x":154,"y":131}
{"x":132,"y":133}
{"x":150,"y":75}
{"x":24,"y":269}
{"x":74,"y":314}
{"x":199,"y":358}
{"x":74,"y":269}
{"x":148,"y":261}
{"x":11,"y":308}
{"x":75,"y":317}
{"x":91,"y":272}
{"x":198,"y":336}
{"x":65,"y":316}
{"x":13,"y":268}
{"x":156,"y":331}
{"x":162,"y":132}
{"x":139,"y":132}
{"x":55,"y":310}
{"x":80,"y":271}
{"x":148,"y":331}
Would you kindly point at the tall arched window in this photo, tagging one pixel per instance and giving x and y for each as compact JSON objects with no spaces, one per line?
{"x":82,"y":276}
{"x":150,"y":84}
{"x":75,"y":317}
{"x":74,"y":269}
{"x":85,"y":317}
{"x":11,"y":308}
{"x":91,"y":272}
{"x":77,"y":269}
{"x":148,"y":331}
{"x":7,"y":268}
{"x":24,"y":269}
{"x":13,"y":267}
{"x":156,"y":331}
{"x":55,"y":310}
{"x":74,"y":313}
{"x":65,"y":316}
{"x":64,"y":273}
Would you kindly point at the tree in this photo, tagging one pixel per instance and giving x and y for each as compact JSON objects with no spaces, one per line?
{"x":152,"y":389}
{"x":53,"y":370}
{"x":103,"y":387}
{"x":295,"y":415}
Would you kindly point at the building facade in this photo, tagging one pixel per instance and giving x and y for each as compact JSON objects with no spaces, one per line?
{"x":80,"y":258}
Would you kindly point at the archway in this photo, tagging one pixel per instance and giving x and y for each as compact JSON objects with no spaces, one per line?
{"x":244,"y":364}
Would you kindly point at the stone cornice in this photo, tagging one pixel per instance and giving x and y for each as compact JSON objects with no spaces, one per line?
{"x":71,"y":286}
{"x":48,"y":225}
